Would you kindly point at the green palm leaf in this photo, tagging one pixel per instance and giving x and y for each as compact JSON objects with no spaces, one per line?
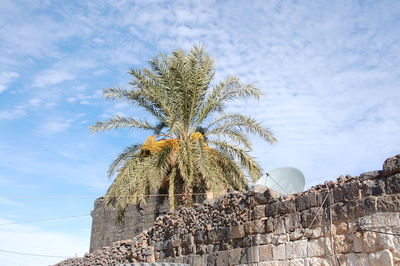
{"x":187,"y":155}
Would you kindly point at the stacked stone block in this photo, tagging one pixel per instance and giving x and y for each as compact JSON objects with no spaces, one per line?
{"x":106,"y":229}
{"x":354,"y":221}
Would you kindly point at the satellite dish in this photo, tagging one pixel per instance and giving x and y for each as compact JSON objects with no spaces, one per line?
{"x":285,"y":180}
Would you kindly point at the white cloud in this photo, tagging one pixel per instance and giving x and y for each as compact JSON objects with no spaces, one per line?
{"x":7,"y":78}
{"x":52,"y":77}
{"x":11,"y":114}
{"x":54,"y":127}
{"x":329,"y":71}
{"x":19,"y":238}
{"x":71,"y":99}
{"x":23,"y":110}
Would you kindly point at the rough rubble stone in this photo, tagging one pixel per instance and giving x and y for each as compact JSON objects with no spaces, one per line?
{"x":261,"y":228}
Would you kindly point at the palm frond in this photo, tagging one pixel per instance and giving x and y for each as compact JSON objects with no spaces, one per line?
{"x":226,"y":91}
{"x":120,"y":122}
{"x":243,"y":123}
{"x":176,"y":91}
{"x":231,"y":133}
{"x":252,"y":167}
{"x":122,"y":158}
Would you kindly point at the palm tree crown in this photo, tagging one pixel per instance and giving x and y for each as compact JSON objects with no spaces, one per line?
{"x":195,"y":146}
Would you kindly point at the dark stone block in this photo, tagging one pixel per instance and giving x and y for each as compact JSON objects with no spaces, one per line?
{"x":311,"y":218}
{"x":352,"y":209}
{"x":287,"y":206}
{"x":211,"y":260}
{"x":169,"y":253}
{"x":272,"y":208}
{"x":236,"y":232}
{"x":259,"y":212}
{"x":259,"y":199}
{"x":187,"y":239}
{"x":373,"y":187}
{"x":212,"y":236}
{"x":379,"y":188}
{"x":302,"y":202}
{"x":369,"y":205}
{"x":237,"y":243}
{"x":254,"y":227}
{"x":176,"y":241}
{"x":351,"y":190}
{"x":222,"y":233}
{"x":292,"y":221}
{"x":269,"y":225}
{"x":393,"y":184}
{"x":269,"y":195}
{"x":389,"y":203}
{"x":339,"y":213}
{"x":201,"y":249}
{"x":369,"y":175}
{"x":391,"y":164}
{"x":313,"y":199}
{"x":199,"y":237}
{"x":337,"y":194}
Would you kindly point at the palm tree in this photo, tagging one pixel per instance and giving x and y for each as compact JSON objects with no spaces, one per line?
{"x":194,"y":146}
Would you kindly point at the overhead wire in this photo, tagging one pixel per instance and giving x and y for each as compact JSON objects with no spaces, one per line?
{"x":380,"y":232}
{"x":91,"y":197}
{"x":46,"y":219}
{"x":32,"y":254}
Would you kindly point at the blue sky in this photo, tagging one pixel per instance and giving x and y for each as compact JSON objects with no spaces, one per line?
{"x":329,"y":71}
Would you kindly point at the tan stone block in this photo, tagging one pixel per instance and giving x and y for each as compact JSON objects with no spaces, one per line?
{"x":269,"y":263}
{"x":370,"y":242}
{"x":385,"y":241}
{"x":279,"y":226}
{"x":297,"y":262}
{"x":342,"y":245}
{"x":342,"y":228}
{"x":280,"y":239}
{"x":253,"y":254}
{"x":383,"y":257}
{"x":296,"y":234}
{"x":290,"y":254}
{"x":236,"y":232}
{"x":358,"y":242}
{"x":387,"y":219}
{"x":300,"y":248}
{"x":315,"y":248}
{"x":318,"y":262}
{"x":229,"y":257}
{"x":354,"y":259}
{"x":328,"y":246}
{"x":266,"y":238}
{"x":265,"y":252}
{"x":279,"y":252}
{"x":296,"y":249}
{"x":317,"y":232}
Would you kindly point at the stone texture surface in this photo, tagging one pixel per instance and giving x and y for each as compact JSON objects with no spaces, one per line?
{"x":265,"y":229}
{"x":106,"y":230}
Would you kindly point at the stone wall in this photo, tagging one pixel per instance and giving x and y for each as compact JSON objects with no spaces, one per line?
{"x":354,"y":221}
{"x":106,"y":230}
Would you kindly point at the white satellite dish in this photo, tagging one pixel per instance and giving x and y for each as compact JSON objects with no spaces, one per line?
{"x":285,"y":180}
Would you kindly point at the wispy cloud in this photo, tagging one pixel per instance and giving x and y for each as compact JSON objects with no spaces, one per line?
{"x":328,"y":70}
{"x":51,"y":77}
{"x":19,"y":238}
{"x":6,"y":78}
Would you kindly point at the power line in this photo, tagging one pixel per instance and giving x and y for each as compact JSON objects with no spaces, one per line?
{"x":47,"y":219}
{"x":32,"y":254}
{"x":91,"y":197}
{"x":380,"y":232}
